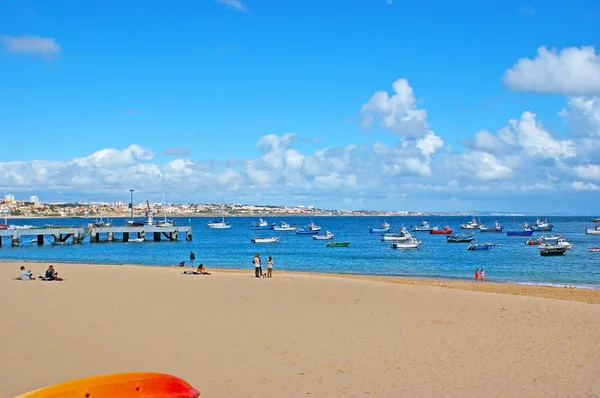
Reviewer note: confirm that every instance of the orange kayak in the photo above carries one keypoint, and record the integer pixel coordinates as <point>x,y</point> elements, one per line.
<point>119,385</point>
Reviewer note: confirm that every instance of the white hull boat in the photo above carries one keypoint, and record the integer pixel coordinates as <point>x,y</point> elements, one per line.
<point>284,227</point>
<point>272,239</point>
<point>218,225</point>
<point>412,243</point>
<point>328,235</point>
<point>593,231</point>
<point>136,240</point>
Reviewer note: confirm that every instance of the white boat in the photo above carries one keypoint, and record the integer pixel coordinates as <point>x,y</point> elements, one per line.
<point>284,227</point>
<point>328,235</point>
<point>593,231</point>
<point>556,241</point>
<point>219,225</point>
<point>473,224</point>
<point>272,239</point>
<point>136,240</point>
<point>401,236</point>
<point>411,243</point>
<point>165,222</point>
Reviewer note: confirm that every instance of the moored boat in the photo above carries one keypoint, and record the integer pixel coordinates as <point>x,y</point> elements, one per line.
<point>533,242</point>
<point>285,227</point>
<point>385,227</point>
<point>411,243</point>
<point>552,251</point>
<point>557,240</point>
<point>310,229</point>
<point>497,228</point>
<point>473,224</point>
<point>218,224</point>
<point>272,239</point>
<point>539,226</point>
<point>593,231</point>
<point>136,240</point>
<point>423,227</point>
<point>460,238</point>
<point>262,225</point>
<point>525,232</point>
<point>446,231</point>
<point>401,236</point>
<point>593,249</point>
<point>480,246</point>
<point>337,244</point>
<point>328,235</point>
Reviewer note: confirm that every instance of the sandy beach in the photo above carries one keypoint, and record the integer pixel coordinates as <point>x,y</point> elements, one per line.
<point>232,335</point>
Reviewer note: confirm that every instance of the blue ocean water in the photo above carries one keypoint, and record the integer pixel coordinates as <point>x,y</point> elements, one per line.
<point>511,261</point>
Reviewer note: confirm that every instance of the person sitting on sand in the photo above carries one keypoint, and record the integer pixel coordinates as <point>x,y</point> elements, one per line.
<point>26,275</point>
<point>51,274</point>
<point>182,264</point>
<point>201,270</point>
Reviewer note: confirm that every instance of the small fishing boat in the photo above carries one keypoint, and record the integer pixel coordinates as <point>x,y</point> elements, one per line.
<point>401,236</point>
<point>136,240</point>
<point>539,226</point>
<point>593,249</point>
<point>497,228</point>
<point>310,229</point>
<point>328,235</point>
<point>557,240</point>
<point>272,239</point>
<point>385,227</point>
<point>593,231</point>
<point>337,244</point>
<point>480,246</point>
<point>285,227</point>
<point>532,242</point>
<point>473,224</point>
<point>460,238</point>
<point>525,232</point>
<point>262,225</point>
<point>423,227</point>
<point>134,223</point>
<point>411,243</point>
<point>446,231</point>
<point>552,250</point>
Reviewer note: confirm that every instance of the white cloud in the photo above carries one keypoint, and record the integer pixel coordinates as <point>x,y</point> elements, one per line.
<point>398,112</point>
<point>572,71</point>
<point>588,172</point>
<point>583,115</point>
<point>45,46</point>
<point>235,4</point>
<point>485,166</point>
<point>581,186</point>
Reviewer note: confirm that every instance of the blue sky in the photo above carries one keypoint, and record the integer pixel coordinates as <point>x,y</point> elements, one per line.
<point>195,98</point>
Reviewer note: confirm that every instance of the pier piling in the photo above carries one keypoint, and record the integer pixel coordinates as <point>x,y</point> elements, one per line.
<point>40,240</point>
<point>157,236</point>
<point>15,241</point>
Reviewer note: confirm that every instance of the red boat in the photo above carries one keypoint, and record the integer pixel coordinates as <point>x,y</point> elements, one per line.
<point>2,226</point>
<point>534,241</point>
<point>446,231</point>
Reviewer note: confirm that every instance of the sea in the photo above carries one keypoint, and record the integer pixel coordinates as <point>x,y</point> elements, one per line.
<point>511,261</point>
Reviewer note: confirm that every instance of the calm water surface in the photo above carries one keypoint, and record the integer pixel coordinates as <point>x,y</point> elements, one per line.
<point>512,261</point>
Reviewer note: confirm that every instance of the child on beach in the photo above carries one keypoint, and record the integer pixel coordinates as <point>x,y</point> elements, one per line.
<point>26,275</point>
<point>477,275</point>
<point>270,267</point>
<point>481,275</point>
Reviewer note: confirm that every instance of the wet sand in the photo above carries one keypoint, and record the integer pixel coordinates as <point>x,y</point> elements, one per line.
<point>233,335</point>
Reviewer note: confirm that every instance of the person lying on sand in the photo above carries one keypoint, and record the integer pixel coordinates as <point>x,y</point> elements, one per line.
<point>26,275</point>
<point>200,271</point>
<point>51,275</point>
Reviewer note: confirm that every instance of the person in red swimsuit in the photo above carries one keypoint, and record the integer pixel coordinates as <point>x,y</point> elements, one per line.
<point>477,275</point>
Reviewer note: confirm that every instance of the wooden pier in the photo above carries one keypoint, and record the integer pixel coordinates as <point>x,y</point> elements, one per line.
<point>62,235</point>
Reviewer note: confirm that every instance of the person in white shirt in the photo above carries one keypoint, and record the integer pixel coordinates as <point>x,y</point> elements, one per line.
<point>26,275</point>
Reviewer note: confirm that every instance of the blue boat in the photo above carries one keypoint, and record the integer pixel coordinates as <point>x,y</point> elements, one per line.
<point>525,232</point>
<point>480,246</point>
<point>385,227</point>
<point>310,229</point>
<point>262,225</point>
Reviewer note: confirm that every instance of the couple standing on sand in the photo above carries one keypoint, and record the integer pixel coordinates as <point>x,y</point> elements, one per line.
<point>479,275</point>
<point>258,267</point>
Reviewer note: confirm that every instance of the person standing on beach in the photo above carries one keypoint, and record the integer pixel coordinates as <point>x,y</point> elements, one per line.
<point>192,258</point>
<point>270,267</point>
<point>477,275</point>
<point>257,267</point>
<point>481,275</point>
